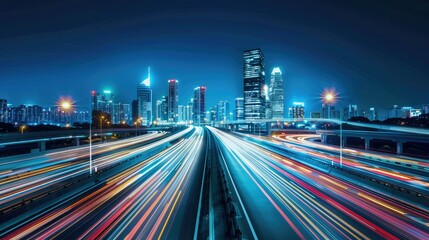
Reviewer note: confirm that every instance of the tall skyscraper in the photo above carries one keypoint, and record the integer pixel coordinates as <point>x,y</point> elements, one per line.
<point>105,102</point>
<point>199,105</point>
<point>3,110</point>
<point>173,100</point>
<point>239,109</point>
<point>222,111</point>
<point>189,111</point>
<point>254,80</point>
<point>144,98</point>
<point>121,113</point>
<point>350,111</point>
<point>277,94</point>
<point>180,113</point>
<point>297,110</point>
<point>134,110</point>
<point>163,109</point>
<point>34,115</point>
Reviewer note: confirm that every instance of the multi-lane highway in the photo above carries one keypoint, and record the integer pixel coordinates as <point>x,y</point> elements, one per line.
<point>155,198</point>
<point>160,195</point>
<point>286,199</point>
<point>23,177</point>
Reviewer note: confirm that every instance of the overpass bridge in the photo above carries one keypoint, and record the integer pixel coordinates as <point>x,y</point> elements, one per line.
<point>397,134</point>
<point>38,140</point>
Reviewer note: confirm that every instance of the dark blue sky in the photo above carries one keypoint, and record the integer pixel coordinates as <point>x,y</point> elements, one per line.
<point>374,54</point>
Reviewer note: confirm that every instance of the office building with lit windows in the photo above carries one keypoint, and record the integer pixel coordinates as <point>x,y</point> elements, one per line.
<point>199,105</point>
<point>144,99</point>
<point>173,100</point>
<point>276,94</point>
<point>254,80</point>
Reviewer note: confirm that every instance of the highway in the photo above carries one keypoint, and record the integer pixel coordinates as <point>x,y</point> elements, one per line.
<point>406,171</point>
<point>284,198</point>
<point>155,198</point>
<point>42,174</point>
<point>399,161</point>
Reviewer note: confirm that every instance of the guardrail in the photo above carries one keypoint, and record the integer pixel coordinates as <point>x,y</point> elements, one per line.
<point>354,176</point>
<point>72,187</point>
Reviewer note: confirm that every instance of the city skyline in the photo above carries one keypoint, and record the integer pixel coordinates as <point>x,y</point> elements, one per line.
<point>214,119</point>
<point>312,58</point>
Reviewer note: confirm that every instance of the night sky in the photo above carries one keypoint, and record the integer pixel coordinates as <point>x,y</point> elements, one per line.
<point>374,54</point>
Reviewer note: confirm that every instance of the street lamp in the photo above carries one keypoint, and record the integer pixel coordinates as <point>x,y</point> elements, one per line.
<point>22,129</point>
<point>101,128</point>
<point>329,97</point>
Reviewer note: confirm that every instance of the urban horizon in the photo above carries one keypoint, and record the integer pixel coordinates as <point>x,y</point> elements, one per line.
<point>214,120</point>
<point>310,107</point>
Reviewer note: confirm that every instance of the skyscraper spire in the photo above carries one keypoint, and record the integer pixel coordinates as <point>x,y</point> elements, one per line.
<point>146,82</point>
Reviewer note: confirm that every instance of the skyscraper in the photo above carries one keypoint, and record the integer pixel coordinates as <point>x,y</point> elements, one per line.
<point>134,111</point>
<point>277,94</point>
<point>3,110</point>
<point>180,113</point>
<point>254,80</point>
<point>105,102</point>
<point>144,98</point>
<point>199,105</point>
<point>239,109</point>
<point>222,111</point>
<point>121,113</point>
<point>297,110</point>
<point>173,100</point>
<point>189,111</point>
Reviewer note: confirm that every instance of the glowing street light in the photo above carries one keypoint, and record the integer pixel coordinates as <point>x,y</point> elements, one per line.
<point>101,128</point>
<point>329,97</point>
<point>22,129</point>
<point>66,105</point>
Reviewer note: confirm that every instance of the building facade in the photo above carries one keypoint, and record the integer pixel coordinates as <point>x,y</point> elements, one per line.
<point>199,105</point>
<point>277,94</point>
<point>173,100</point>
<point>254,80</point>
<point>239,109</point>
<point>297,110</point>
<point>3,111</point>
<point>144,99</point>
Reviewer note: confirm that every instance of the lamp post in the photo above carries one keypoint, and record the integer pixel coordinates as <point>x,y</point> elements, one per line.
<point>66,105</point>
<point>328,98</point>
<point>22,129</point>
<point>101,128</point>
<point>90,131</point>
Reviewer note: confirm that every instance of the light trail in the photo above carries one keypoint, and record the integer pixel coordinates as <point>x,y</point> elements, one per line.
<point>312,203</point>
<point>138,203</point>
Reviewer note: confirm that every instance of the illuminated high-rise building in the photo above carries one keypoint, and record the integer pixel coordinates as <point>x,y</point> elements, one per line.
<point>239,109</point>
<point>276,94</point>
<point>222,111</point>
<point>121,113</point>
<point>297,110</point>
<point>254,80</point>
<point>3,110</point>
<point>180,113</point>
<point>144,99</point>
<point>199,105</point>
<point>34,115</point>
<point>189,111</point>
<point>162,109</point>
<point>134,110</point>
<point>173,100</point>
